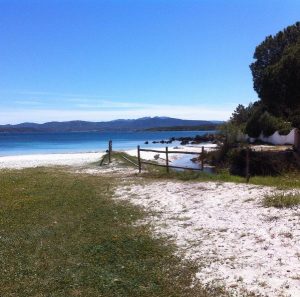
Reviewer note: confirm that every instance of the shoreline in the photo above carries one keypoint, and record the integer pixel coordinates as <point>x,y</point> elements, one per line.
<point>84,158</point>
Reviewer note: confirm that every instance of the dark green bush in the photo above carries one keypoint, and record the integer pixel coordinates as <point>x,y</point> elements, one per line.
<point>267,124</point>
<point>295,120</point>
<point>286,130</point>
<point>262,163</point>
<point>253,127</point>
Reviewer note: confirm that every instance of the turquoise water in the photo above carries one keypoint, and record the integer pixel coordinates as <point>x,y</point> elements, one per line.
<point>37,143</point>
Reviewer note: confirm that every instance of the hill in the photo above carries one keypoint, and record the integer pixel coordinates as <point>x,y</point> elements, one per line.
<point>115,125</point>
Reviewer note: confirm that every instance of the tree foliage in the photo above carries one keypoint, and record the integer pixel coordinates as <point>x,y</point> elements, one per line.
<point>256,119</point>
<point>276,71</point>
<point>240,115</point>
<point>264,122</point>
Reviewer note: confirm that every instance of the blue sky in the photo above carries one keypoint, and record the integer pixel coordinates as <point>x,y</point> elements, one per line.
<point>103,60</point>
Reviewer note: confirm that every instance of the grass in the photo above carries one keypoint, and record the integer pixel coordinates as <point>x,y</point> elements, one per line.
<point>286,181</point>
<point>118,157</point>
<point>61,234</point>
<point>282,200</point>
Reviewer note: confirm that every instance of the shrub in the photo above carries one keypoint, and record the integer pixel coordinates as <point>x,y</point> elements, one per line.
<point>229,133</point>
<point>295,119</point>
<point>267,124</point>
<point>253,127</point>
<point>286,130</point>
<point>262,163</point>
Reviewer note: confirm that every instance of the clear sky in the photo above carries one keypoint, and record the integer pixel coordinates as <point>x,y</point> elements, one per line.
<point>103,60</point>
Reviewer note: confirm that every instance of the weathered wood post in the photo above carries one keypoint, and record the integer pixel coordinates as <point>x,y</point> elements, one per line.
<point>109,151</point>
<point>202,158</point>
<point>247,164</point>
<point>139,159</point>
<point>167,159</point>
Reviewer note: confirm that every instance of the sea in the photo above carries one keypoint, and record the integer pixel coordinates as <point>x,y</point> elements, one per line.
<point>76,142</point>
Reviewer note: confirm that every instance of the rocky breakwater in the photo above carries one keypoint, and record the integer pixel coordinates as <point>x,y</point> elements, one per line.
<point>213,138</point>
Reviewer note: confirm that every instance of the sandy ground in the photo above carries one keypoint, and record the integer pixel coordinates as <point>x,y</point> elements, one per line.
<point>223,226</point>
<point>26,161</point>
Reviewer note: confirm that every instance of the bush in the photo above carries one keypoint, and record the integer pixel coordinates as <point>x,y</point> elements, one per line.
<point>229,133</point>
<point>262,163</point>
<point>295,119</point>
<point>267,124</point>
<point>253,127</point>
<point>286,130</point>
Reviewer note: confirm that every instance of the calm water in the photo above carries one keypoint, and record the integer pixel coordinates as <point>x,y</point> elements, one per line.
<point>36,143</point>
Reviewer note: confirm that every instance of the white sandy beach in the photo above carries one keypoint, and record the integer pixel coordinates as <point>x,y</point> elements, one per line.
<point>26,161</point>
<point>81,159</point>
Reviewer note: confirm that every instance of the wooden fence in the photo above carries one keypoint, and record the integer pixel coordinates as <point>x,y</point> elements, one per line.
<point>166,152</point>
<point>167,165</point>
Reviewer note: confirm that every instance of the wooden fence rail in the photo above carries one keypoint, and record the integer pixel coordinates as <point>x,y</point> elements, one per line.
<point>170,152</point>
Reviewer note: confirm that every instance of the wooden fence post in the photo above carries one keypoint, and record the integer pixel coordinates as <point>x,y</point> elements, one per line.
<point>109,151</point>
<point>139,159</point>
<point>167,159</point>
<point>247,164</point>
<point>202,158</point>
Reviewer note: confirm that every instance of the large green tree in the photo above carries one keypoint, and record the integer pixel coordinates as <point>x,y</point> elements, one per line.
<point>276,72</point>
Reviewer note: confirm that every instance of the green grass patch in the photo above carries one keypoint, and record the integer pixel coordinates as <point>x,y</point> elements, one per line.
<point>118,156</point>
<point>286,181</point>
<point>61,234</point>
<point>281,200</point>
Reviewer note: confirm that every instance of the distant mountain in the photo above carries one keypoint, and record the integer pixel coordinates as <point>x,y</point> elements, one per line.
<point>186,128</point>
<point>116,125</point>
